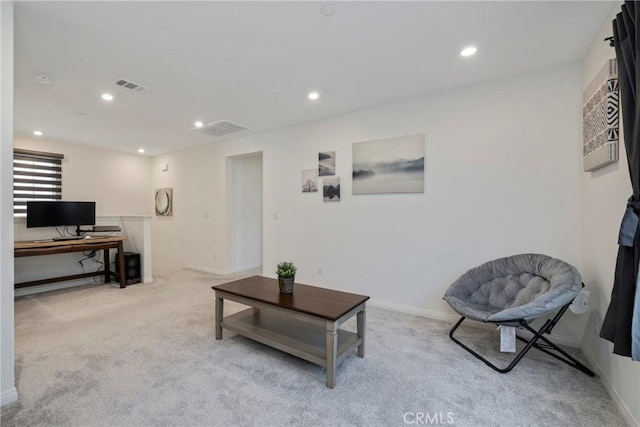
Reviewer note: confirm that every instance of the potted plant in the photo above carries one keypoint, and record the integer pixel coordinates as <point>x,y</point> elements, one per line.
<point>286,272</point>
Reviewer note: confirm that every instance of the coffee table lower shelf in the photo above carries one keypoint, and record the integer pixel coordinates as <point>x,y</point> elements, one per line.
<point>304,340</point>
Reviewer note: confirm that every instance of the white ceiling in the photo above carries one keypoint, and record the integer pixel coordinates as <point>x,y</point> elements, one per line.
<point>254,62</point>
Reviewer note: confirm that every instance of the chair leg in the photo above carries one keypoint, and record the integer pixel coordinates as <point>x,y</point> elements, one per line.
<point>529,343</point>
<point>568,359</point>
<point>513,363</point>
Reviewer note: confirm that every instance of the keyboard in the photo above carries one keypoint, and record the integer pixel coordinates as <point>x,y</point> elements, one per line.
<point>61,239</point>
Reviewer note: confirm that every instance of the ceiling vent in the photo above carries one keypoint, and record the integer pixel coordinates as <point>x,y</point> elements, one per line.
<point>128,84</point>
<point>221,128</point>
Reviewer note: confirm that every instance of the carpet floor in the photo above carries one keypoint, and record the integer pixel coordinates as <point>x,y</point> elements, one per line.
<point>147,356</point>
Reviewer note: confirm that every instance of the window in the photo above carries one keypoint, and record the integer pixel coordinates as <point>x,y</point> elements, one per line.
<point>36,176</point>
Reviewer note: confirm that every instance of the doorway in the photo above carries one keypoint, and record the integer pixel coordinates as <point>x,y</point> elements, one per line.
<point>244,185</point>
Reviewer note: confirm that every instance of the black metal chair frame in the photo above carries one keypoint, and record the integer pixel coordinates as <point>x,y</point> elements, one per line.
<point>546,347</point>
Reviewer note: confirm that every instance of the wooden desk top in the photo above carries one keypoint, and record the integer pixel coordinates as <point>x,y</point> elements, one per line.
<point>44,243</point>
<point>320,302</point>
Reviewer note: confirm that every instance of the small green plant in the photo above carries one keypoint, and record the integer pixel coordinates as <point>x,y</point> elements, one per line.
<point>286,270</point>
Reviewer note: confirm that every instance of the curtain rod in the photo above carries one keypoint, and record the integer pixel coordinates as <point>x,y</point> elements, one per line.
<point>611,41</point>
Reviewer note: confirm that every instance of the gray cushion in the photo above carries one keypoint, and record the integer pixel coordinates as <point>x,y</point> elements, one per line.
<point>524,286</point>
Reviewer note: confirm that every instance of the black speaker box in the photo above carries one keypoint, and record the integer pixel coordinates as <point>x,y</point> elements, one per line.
<point>132,269</point>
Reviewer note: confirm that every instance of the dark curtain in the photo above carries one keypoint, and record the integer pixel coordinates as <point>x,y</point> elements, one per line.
<point>617,326</point>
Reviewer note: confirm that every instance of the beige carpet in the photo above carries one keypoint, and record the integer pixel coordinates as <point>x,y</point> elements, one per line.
<point>146,355</point>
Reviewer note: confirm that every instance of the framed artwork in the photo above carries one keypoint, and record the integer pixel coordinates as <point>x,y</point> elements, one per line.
<point>393,165</point>
<point>331,189</point>
<point>327,163</point>
<point>310,180</point>
<point>600,127</point>
<point>164,201</point>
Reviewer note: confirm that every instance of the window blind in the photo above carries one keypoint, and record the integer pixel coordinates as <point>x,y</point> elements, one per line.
<point>36,176</point>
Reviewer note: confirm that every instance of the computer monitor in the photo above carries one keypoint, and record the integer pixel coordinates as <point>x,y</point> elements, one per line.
<point>58,213</point>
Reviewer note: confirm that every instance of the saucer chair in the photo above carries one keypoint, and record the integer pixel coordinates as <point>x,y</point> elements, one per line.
<point>514,291</point>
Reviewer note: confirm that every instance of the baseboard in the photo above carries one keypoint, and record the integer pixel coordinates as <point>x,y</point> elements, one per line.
<point>452,318</point>
<point>248,267</point>
<point>8,396</point>
<point>613,394</point>
<point>436,315</point>
<point>21,292</point>
<point>221,272</point>
<point>557,339</point>
<point>208,270</point>
<point>148,280</point>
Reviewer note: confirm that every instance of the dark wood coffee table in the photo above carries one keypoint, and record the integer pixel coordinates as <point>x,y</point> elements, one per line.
<point>305,323</point>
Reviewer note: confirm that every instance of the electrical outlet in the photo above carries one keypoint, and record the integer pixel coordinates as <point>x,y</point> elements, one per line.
<point>320,270</point>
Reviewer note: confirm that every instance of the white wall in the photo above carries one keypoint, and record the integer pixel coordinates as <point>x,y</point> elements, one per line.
<point>7,389</point>
<point>246,211</point>
<point>119,183</point>
<point>169,251</point>
<point>605,193</point>
<point>503,176</point>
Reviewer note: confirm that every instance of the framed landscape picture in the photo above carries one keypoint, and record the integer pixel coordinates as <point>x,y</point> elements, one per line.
<point>331,189</point>
<point>327,163</point>
<point>393,165</point>
<point>310,180</point>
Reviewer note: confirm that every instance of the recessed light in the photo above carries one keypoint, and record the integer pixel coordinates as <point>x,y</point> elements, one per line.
<point>313,95</point>
<point>37,132</point>
<point>468,51</point>
<point>107,97</point>
<point>140,150</point>
<point>198,124</point>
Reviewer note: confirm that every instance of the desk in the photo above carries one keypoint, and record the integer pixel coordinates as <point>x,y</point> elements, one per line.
<point>50,247</point>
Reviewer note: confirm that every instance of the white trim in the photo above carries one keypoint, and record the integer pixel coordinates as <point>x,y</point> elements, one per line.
<point>447,317</point>
<point>557,339</point>
<point>414,310</point>
<point>208,270</point>
<point>8,396</point>
<point>30,290</point>
<point>23,219</point>
<point>613,394</point>
<point>148,280</point>
<point>133,217</point>
<point>248,267</point>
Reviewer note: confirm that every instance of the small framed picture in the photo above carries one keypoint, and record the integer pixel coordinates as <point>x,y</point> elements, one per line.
<point>310,180</point>
<point>327,163</point>
<point>331,189</point>
<point>164,201</point>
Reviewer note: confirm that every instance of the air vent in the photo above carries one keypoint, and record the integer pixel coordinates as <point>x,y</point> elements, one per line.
<point>221,128</point>
<point>128,84</point>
